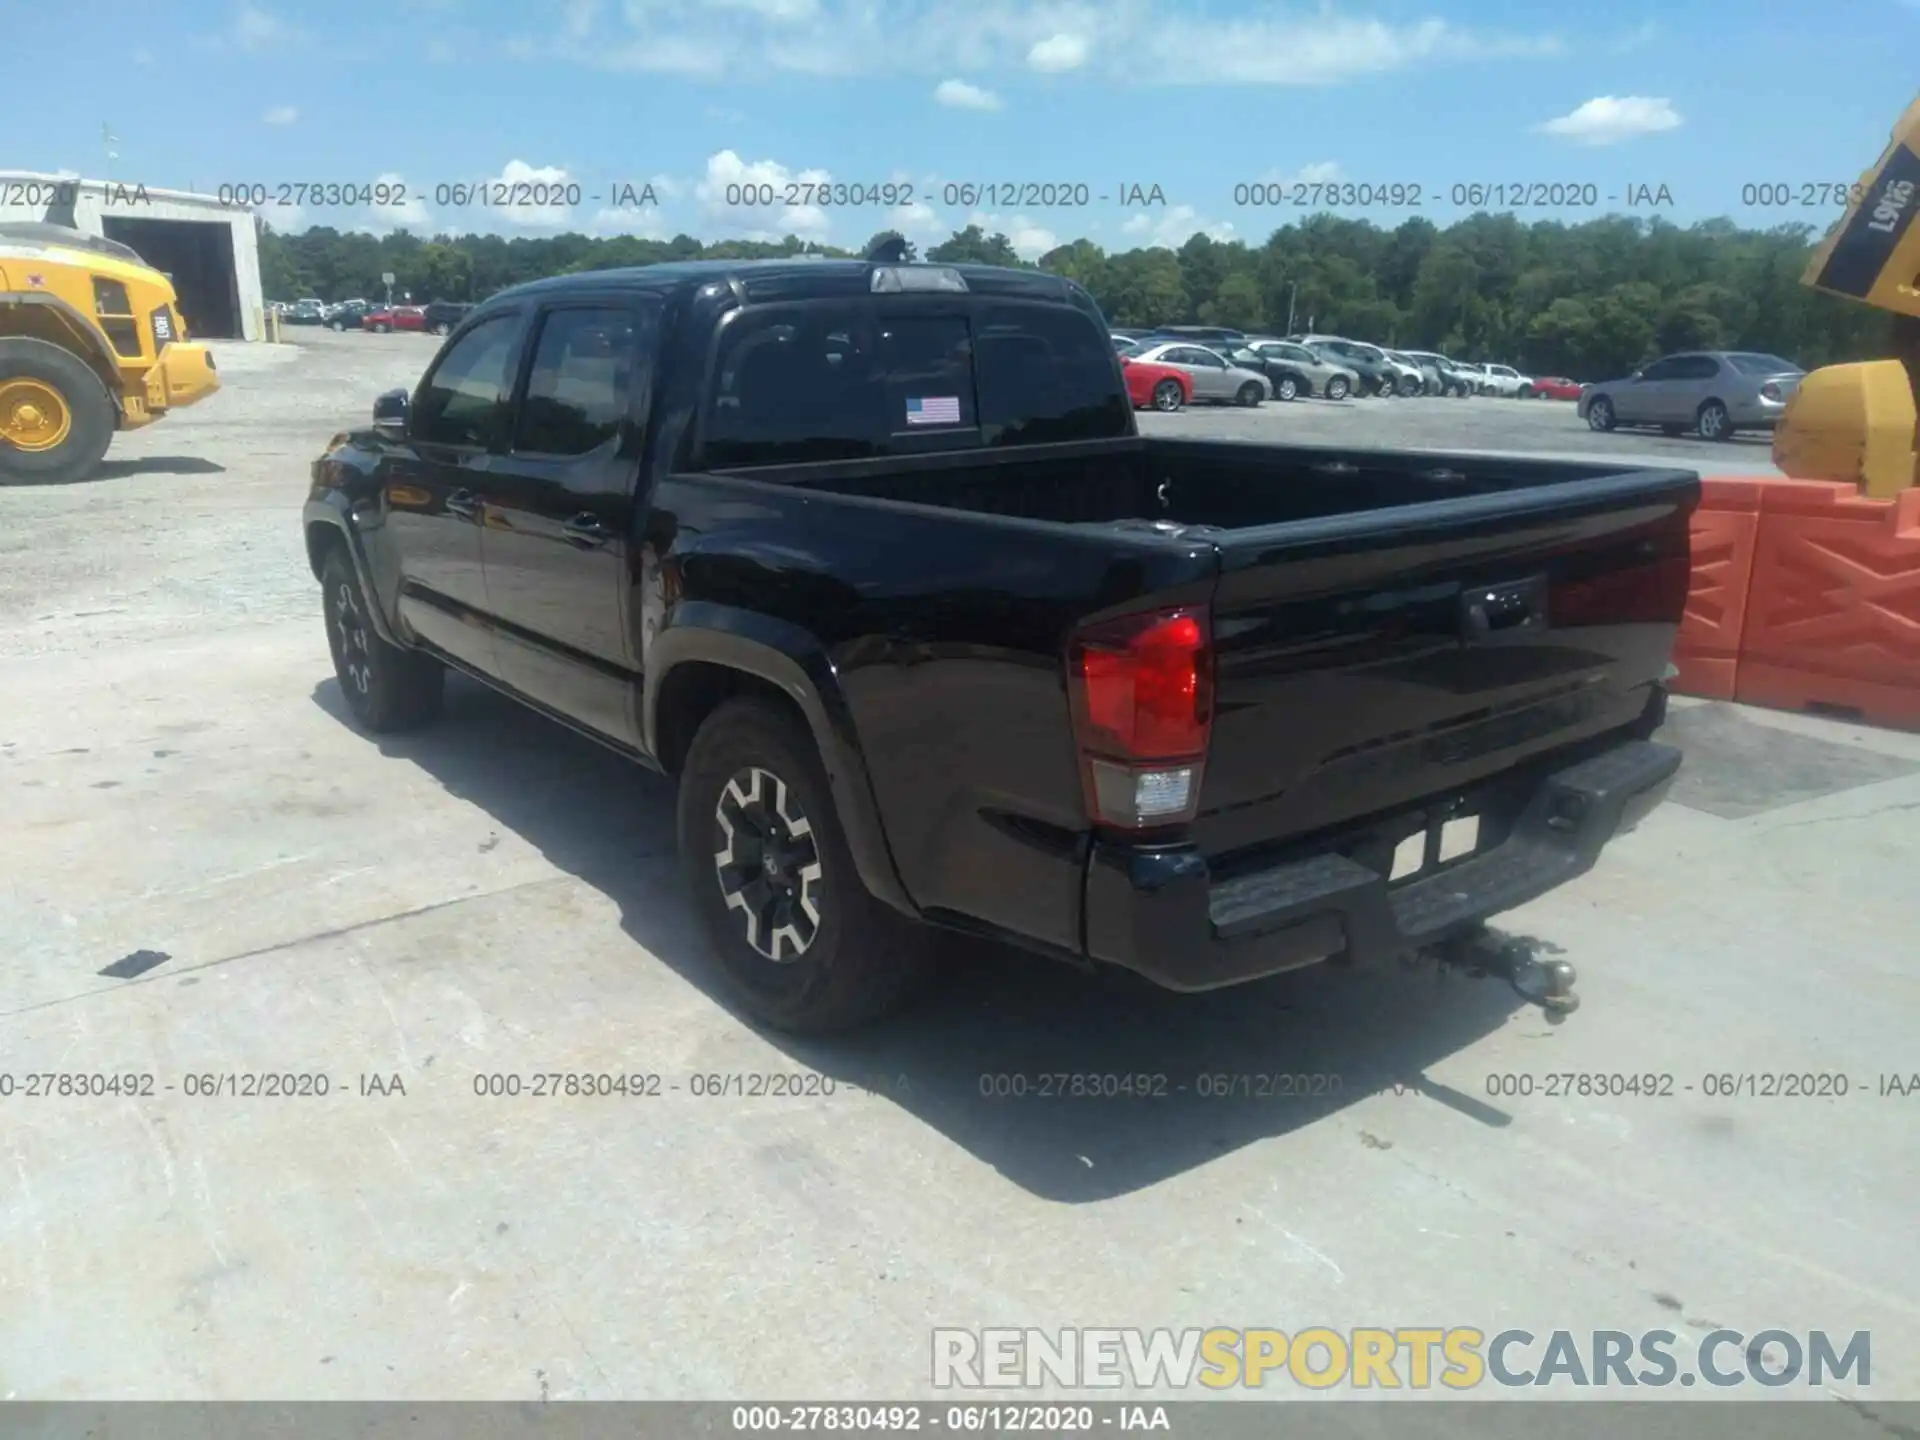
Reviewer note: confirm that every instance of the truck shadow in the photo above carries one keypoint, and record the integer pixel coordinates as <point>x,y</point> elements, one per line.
<point>1209,1074</point>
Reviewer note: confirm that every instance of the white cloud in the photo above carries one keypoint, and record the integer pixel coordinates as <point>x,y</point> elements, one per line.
<point>281,115</point>
<point>1173,227</point>
<point>577,17</point>
<point>532,196</point>
<point>285,219</point>
<point>1320,172</point>
<point>255,28</point>
<point>409,214</point>
<point>644,221</point>
<point>1029,241</point>
<point>1058,52</point>
<point>745,200</point>
<point>1609,119</point>
<point>667,188</point>
<point>919,222</point>
<point>962,96</point>
<point>1146,42</point>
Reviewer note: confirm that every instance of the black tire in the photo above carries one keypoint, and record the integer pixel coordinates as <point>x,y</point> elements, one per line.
<point>1674,430</point>
<point>1712,422</point>
<point>1286,388</point>
<point>1600,414</point>
<point>844,958</point>
<point>1526,392</point>
<point>1168,396</point>
<point>35,367</point>
<point>1338,388</point>
<point>439,329</point>
<point>1409,387</point>
<point>1249,394</point>
<point>387,689</point>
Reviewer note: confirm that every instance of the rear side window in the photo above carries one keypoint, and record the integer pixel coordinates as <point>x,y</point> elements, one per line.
<point>582,377</point>
<point>797,384</point>
<point>1045,373</point>
<point>464,402</point>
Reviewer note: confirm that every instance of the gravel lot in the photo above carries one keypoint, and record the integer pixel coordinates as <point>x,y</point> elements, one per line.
<point>497,896</point>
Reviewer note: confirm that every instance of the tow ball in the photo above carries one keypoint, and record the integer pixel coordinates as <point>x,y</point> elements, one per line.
<point>1547,983</point>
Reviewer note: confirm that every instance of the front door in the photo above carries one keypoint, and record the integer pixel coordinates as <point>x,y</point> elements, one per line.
<point>560,513</point>
<point>434,485</point>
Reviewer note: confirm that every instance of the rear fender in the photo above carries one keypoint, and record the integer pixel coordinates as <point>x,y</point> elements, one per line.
<point>794,662</point>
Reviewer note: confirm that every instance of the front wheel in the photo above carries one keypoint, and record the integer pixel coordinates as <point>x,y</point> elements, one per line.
<point>336,325</point>
<point>1713,422</point>
<point>439,329</point>
<point>1250,394</point>
<point>1526,392</point>
<point>1600,414</point>
<point>387,688</point>
<point>1168,396</point>
<point>1337,388</point>
<point>1409,387</point>
<point>56,420</point>
<point>800,943</point>
<point>1287,388</point>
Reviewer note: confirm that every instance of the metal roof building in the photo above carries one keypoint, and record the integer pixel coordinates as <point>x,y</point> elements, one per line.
<point>210,250</point>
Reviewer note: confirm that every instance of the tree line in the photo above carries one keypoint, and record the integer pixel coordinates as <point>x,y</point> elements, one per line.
<point>1589,300</point>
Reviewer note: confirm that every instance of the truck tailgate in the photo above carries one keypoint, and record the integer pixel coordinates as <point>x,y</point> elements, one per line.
<point>1370,663</point>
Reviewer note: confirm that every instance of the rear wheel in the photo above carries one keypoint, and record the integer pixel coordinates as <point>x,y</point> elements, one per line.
<point>1409,386</point>
<point>1250,394</point>
<point>1337,388</point>
<point>56,419</point>
<point>1526,392</point>
<point>800,943</point>
<point>1713,423</point>
<point>387,688</point>
<point>1167,395</point>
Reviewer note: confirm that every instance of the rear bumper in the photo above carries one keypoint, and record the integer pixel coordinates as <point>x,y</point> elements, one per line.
<point>1160,913</point>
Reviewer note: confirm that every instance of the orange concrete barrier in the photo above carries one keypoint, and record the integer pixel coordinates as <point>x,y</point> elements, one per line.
<point>1707,651</point>
<point>1833,607</point>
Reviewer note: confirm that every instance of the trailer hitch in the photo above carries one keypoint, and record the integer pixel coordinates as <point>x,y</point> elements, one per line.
<point>1483,951</point>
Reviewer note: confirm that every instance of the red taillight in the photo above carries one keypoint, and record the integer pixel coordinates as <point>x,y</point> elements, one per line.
<point>1142,695</point>
<point>1651,593</point>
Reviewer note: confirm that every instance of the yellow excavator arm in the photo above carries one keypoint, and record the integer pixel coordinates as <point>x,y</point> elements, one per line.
<point>1861,423</point>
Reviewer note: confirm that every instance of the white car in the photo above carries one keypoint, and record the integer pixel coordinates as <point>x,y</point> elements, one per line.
<point>1506,381</point>
<point>1214,377</point>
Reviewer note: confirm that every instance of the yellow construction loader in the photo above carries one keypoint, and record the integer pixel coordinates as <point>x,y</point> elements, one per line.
<point>91,342</point>
<point>1857,423</point>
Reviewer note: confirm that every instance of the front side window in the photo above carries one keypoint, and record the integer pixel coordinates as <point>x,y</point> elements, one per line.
<point>464,401</point>
<point>578,391</point>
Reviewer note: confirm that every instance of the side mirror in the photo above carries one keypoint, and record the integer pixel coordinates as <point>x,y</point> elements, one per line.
<point>1636,375</point>
<point>390,414</point>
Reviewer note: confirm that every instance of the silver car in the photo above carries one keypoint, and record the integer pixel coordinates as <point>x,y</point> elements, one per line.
<point>1713,393</point>
<point>1283,362</point>
<point>1214,379</point>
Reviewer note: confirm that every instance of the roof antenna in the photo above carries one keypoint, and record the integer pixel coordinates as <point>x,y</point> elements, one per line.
<point>888,250</point>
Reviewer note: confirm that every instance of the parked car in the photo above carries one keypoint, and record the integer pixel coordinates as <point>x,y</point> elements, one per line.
<point>1508,382</point>
<point>1146,723</point>
<point>1417,377</point>
<point>1714,393</point>
<point>399,317</point>
<point>1378,375</point>
<point>1443,376</point>
<point>443,316</point>
<point>1556,387</point>
<point>1286,364</point>
<point>347,315</point>
<point>306,312</point>
<point>1214,378</point>
<point>1214,337</point>
<point>1164,387</point>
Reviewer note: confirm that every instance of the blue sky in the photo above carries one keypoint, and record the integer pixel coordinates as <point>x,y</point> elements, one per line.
<point>1194,96</point>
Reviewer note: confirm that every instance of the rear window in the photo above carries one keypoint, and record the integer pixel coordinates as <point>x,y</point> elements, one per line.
<point>1762,365</point>
<point>838,381</point>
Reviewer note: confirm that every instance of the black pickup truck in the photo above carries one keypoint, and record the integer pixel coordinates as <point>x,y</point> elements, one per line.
<point>872,559</point>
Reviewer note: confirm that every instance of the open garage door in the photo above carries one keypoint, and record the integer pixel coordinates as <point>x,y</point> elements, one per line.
<point>198,255</point>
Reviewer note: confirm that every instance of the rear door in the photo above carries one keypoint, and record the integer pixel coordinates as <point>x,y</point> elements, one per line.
<point>559,515</point>
<point>1371,661</point>
<point>436,481</point>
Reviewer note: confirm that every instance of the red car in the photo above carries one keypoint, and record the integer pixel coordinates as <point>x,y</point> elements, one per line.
<point>400,317</point>
<point>1556,387</point>
<point>1164,387</point>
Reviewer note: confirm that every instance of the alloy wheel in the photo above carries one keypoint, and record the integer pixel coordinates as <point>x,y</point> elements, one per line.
<point>768,864</point>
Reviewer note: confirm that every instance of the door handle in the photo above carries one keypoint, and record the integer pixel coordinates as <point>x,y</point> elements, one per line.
<point>587,532</point>
<point>463,503</point>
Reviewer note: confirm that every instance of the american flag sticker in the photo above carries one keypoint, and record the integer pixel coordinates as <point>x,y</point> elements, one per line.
<point>934,410</point>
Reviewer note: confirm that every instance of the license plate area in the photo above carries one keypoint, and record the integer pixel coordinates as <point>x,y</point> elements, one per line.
<point>1446,837</point>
